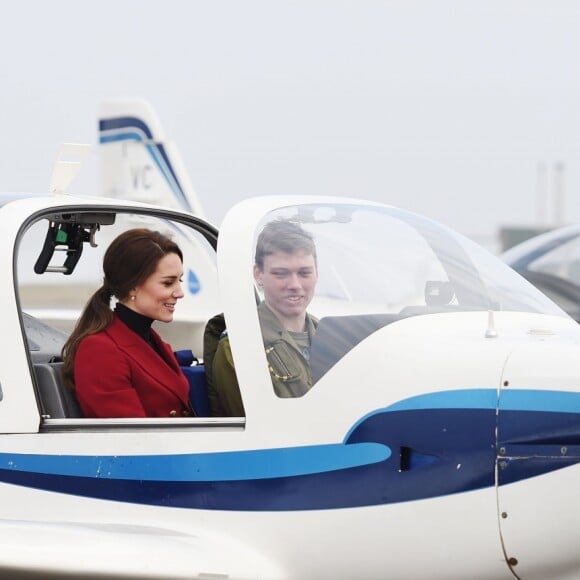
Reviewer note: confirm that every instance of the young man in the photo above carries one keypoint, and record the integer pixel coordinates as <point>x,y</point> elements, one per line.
<point>285,269</point>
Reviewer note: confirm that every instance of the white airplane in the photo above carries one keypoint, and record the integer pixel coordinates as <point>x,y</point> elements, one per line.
<point>440,438</point>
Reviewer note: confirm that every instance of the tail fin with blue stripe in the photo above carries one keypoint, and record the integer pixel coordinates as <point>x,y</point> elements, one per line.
<point>137,162</point>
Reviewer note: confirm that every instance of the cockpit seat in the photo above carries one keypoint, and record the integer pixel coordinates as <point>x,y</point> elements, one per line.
<point>57,401</point>
<point>195,374</point>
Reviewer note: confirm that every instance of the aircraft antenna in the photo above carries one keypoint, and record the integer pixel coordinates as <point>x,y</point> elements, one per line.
<point>68,162</point>
<point>491,331</point>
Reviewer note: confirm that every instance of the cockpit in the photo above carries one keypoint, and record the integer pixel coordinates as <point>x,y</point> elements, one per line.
<point>377,266</point>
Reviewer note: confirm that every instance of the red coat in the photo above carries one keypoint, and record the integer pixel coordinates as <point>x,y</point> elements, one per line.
<point>117,374</point>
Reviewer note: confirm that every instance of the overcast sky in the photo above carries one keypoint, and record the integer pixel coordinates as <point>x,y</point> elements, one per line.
<point>447,108</point>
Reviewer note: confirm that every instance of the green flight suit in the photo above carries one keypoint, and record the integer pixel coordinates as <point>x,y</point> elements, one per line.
<point>289,370</point>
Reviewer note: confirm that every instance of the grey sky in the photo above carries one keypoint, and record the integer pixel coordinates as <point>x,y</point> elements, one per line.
<point>442,107</point>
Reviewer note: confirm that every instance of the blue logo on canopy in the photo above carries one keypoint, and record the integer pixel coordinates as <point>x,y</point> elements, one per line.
<point>193,284</point>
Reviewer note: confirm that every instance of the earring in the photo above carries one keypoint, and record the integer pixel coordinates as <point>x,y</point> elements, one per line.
<point>132,296</point>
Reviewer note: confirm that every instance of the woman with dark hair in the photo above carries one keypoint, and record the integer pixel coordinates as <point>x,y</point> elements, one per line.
<point>117,364</point>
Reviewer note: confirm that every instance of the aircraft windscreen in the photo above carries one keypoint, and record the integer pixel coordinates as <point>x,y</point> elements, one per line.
<point>374,265</point>
<point>385,260</point>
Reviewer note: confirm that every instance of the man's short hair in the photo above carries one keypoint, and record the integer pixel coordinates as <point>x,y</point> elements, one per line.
<point>283,236</point>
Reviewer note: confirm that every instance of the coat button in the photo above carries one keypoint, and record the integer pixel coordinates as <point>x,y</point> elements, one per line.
<point>172,413</point>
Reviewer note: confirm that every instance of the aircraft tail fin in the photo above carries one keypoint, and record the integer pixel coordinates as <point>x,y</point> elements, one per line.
<point>136,160</point>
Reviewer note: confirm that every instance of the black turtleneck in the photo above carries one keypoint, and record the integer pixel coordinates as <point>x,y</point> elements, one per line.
<point>136,322</point>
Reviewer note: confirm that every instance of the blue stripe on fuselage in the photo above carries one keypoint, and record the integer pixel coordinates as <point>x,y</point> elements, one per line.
<point>426,446</point>
<point>512,400</point>
<point>223,466</point>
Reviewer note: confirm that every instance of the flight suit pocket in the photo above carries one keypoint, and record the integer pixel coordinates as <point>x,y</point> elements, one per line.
<point>282,363</point>
<point>288,374</point>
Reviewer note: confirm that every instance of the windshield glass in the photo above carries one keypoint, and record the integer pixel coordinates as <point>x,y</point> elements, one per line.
<point>361,268</point>
<point>385,260</point>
